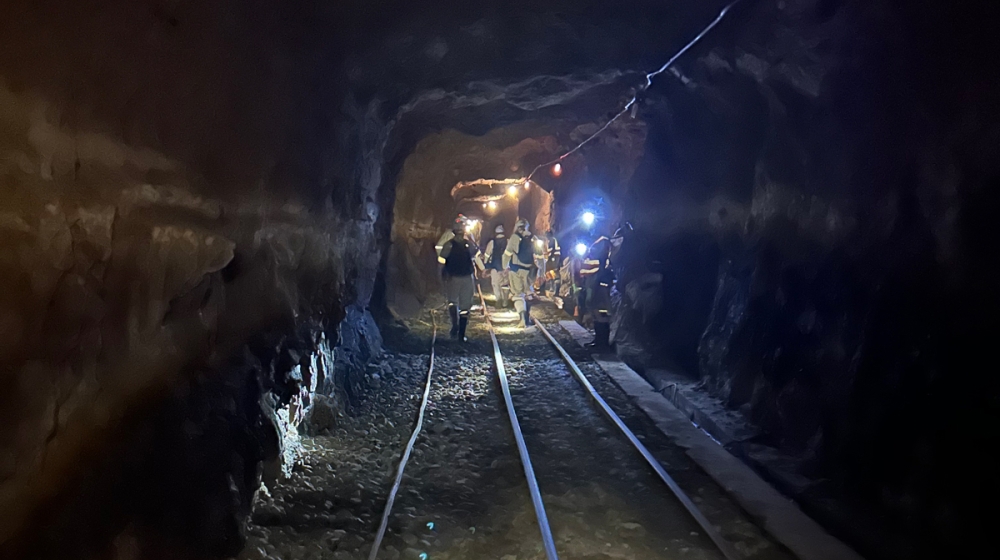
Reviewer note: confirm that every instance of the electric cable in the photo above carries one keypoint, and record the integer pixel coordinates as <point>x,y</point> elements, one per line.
<point>644,87</point>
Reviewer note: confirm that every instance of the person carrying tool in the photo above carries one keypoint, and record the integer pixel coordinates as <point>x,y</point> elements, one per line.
<point>494,264</point>
<point>519,258</point>
<point>460,260</point>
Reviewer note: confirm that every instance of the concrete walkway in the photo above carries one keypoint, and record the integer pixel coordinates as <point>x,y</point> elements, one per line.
<point>778,515</point>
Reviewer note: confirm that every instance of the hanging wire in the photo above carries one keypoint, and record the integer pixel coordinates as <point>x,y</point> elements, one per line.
<point>649,82</point>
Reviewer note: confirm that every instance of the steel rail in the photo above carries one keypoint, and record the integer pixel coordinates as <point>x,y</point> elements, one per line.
<point>409,449</point>
<point>724,546</point>
<point>522,448</point>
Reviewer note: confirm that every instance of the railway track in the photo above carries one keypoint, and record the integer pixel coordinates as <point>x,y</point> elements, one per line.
<point>595,490</point>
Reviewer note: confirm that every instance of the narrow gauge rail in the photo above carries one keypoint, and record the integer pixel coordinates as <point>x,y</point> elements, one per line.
<point>723,546</point>
<point>727,550</point>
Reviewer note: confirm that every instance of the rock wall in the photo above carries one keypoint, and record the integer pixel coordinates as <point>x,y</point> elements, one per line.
<point>140,316</point>
<point>196,199</point>
<point>179,256</point>
<point>815,205</point>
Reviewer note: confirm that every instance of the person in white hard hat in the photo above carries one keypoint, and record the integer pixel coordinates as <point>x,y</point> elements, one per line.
<point>519,258</point>
<point>494,264</point>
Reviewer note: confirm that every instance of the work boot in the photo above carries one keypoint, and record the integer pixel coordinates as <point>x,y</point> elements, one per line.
<point>453,313</point>
<point>602,336</point>
<point>463,322</point>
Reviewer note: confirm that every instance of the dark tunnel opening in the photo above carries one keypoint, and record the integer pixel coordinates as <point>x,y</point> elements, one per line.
<point>218,262</point>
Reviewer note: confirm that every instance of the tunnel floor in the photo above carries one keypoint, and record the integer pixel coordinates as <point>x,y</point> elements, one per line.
<point>464,494</point>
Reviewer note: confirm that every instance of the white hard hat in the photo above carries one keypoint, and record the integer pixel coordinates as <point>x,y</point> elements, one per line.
<point>521,222</point>
<point>499,229</point>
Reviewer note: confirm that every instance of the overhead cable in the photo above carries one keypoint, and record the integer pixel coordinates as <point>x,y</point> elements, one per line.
<point>635,98</point>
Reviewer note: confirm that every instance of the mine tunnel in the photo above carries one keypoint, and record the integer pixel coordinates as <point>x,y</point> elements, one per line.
<point>225,330</point>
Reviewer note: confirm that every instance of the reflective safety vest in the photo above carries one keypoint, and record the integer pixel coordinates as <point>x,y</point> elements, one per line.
<point>525,251</point>
<point>496,255</point>
<point>459,259</point>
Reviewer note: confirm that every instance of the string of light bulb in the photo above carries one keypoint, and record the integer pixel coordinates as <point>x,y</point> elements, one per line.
<point>632,103</point>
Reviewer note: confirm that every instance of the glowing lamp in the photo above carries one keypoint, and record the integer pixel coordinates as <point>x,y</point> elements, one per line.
<point>581,249</point>
<point>527,185</point>
<point>588,218</point>
<point>492,205</point>
<point>557,170</point>
<point>512,190</point>
<point>539,243</point>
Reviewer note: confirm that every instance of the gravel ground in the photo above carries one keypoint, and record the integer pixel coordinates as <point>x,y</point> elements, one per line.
<point>463,495</point>
<point>331,504</point>
<point>725,514</point>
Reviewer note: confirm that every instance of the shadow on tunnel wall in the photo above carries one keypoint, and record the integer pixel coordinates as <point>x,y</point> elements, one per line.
<point>813,246</point>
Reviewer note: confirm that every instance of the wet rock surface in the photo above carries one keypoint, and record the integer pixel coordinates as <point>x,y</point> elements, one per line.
<point>463,494</point>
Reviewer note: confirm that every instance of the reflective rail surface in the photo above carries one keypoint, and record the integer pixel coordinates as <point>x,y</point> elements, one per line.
<point>522,448</point>
<point>409,449</point>
<point>724,546</point>
<point>548,541</point>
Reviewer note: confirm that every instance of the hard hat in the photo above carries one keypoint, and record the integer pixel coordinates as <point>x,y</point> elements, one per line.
<point>521,222</point>
<point>499,229</point>
<point>459,224</point>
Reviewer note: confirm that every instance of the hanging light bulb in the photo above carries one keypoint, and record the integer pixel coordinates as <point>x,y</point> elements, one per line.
<point>491,205</point>
<point>527,185</point>
<point>557,170</point>
<point>581,249</point>
<point>588,218</point>
<point>512,190</point>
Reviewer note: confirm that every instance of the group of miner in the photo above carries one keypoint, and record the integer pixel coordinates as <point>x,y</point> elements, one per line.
<point>526,264</point>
